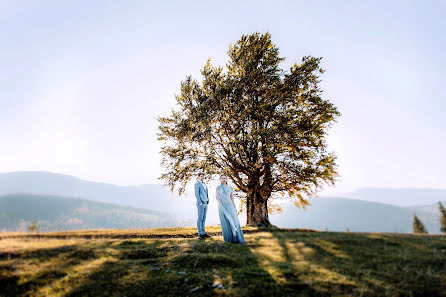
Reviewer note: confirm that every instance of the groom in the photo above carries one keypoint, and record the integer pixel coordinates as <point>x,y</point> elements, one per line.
<point>201,193</point>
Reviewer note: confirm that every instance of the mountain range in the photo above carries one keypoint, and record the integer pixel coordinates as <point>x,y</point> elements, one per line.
<point>399,196</point>
<point>63,202</point>
<point>149,196</point>
<point>341,214</point>
<point>52,213</point>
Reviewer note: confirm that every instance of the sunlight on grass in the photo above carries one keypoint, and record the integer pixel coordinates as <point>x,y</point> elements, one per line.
<point>18,245</point>
<point>269,252</point>
<point>330,247</point>
<point>75,276</point>
<point>273,263</point>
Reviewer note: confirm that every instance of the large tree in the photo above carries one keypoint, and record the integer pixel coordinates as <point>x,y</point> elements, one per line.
<point>262,126</point>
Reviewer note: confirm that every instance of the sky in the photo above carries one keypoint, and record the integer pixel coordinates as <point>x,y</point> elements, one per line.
<point>82,82</point>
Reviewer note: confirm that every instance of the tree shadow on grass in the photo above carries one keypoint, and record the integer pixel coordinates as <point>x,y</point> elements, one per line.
<point>11,285</point>
<point>184,268</point>
<point>304,259</point>
<point>159,268</point>
<point>214,268</point>
<point>72,266</point>
<point>58,260</point>
<point>187,267</point>
<point>373,266</point>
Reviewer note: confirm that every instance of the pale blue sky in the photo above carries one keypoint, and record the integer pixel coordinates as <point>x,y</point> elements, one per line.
<point>82,81</point>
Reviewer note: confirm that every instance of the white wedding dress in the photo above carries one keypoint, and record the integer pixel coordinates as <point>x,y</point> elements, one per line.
<point>230,225</point>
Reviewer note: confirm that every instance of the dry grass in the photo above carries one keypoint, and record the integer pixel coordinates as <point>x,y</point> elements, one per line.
<point>179,232</point>
<point>172,262</point>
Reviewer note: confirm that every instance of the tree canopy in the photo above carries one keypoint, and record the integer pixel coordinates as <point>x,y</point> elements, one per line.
<point>264,127</point>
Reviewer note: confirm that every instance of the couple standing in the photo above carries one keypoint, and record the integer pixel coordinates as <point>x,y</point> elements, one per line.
<point>230,225</point>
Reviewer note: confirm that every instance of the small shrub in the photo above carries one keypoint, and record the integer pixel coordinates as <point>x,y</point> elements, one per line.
<point>33,226</point>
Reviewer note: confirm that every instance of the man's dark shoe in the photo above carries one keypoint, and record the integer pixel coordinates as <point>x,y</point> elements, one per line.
<point>206,235</point>
<point>201,236</point>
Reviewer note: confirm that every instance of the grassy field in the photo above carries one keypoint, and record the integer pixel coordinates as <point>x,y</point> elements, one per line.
<point>173,262</point>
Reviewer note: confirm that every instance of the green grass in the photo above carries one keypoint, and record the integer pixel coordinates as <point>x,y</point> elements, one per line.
<point>172,262</point>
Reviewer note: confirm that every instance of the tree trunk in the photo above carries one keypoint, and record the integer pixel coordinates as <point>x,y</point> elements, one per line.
<point>257,210</point>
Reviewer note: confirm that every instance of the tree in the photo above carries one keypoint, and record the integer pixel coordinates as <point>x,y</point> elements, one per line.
<point>442,217</point>
<point>418,226</point>
<point>263,127</point>
<point>33,226</point>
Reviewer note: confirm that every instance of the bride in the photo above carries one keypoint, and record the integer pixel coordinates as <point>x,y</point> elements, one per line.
<point>230,225</point>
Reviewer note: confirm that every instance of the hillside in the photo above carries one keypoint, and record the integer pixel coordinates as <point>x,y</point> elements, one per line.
<point>64,213</point>
<point>428,208</point>
<point>340,214</point>
<point>171,262</point>
<point>399,196</point>
<point>154,197</point>
<point>333,213</point>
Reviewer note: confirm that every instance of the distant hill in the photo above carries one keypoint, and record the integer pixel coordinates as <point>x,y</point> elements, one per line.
<point>399,196</point>
<point>338,214</point>
<point>334,213</point>
<point>430,208</point>
<point>154,197</point>
<point>63,213</point>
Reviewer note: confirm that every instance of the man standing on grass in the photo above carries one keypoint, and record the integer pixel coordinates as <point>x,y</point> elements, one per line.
<point>201,193</point>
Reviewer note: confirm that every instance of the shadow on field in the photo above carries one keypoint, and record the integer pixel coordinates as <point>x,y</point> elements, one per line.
<point>274,263</point>
<point>57,261</point>
<point>367,265</point>
<point>178,268</point>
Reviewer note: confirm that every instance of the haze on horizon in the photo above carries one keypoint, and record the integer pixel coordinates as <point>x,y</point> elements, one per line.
<point>81,83</point>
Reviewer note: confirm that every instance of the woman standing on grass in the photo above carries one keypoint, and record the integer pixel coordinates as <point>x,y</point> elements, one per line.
<point>230,225</point>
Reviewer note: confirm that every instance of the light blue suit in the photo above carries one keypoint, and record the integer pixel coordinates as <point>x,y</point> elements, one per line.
<point>201,193</point>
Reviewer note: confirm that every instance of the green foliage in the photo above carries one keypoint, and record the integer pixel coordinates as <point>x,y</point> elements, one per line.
<point>442,217</point>
<point>33,226</point>
<point>262,126</point>
<point>418,226</point>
